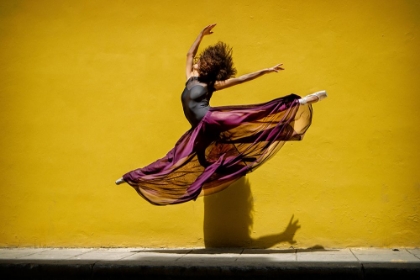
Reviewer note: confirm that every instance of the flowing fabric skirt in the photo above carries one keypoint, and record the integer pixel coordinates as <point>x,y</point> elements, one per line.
<point>228,143</point>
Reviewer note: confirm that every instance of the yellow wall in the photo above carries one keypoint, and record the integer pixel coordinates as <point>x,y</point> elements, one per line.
<point>91,89</point>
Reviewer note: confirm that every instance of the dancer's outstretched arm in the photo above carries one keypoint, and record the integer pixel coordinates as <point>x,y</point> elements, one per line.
<point>247,77</point>
<point>194,47</point>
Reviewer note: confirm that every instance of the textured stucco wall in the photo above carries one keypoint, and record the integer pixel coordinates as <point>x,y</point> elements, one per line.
<point>91,89</point>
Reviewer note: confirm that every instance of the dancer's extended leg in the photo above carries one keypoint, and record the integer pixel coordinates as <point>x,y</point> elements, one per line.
<point>313,98</point>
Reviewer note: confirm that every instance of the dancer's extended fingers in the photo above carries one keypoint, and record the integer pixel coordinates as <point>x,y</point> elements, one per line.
<point>278,67</point>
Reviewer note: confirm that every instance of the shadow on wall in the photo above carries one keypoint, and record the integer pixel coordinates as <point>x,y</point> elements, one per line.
<point>228,220</point>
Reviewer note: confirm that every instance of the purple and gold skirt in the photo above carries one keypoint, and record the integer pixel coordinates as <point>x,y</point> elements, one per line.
<point>229,142</point>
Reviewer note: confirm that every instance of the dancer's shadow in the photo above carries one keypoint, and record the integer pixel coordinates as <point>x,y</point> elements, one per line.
<point>228,220</point>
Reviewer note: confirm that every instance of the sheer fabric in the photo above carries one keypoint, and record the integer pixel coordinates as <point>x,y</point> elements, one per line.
<point>221,147</point>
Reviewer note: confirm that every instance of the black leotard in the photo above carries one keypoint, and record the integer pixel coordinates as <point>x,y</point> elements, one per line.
<point>195,100</point>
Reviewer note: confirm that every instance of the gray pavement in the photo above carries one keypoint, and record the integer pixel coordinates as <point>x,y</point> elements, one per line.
<point>142,263</point>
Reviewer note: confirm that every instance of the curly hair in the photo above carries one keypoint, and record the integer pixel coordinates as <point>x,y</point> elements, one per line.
<point>216,63</point>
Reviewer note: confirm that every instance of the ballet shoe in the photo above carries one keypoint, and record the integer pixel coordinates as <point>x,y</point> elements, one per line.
<point>119,181</point>
<point>319,95</point>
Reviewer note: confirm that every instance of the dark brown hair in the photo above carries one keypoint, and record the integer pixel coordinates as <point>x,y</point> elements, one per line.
<point>216,63</point>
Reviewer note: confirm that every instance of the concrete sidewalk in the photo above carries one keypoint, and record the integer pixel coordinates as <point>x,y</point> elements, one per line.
<point>140,263</point>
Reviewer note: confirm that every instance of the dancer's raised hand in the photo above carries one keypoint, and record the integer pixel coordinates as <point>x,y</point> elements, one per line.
<point>207,29</point>
<point>276,68</point>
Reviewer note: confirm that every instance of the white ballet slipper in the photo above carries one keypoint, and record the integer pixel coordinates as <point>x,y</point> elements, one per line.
<point>308,99</point>
<point>120,181</point>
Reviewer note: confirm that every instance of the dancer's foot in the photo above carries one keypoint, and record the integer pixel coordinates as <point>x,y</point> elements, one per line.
<point>119,181</point>
<point>314,97</point>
